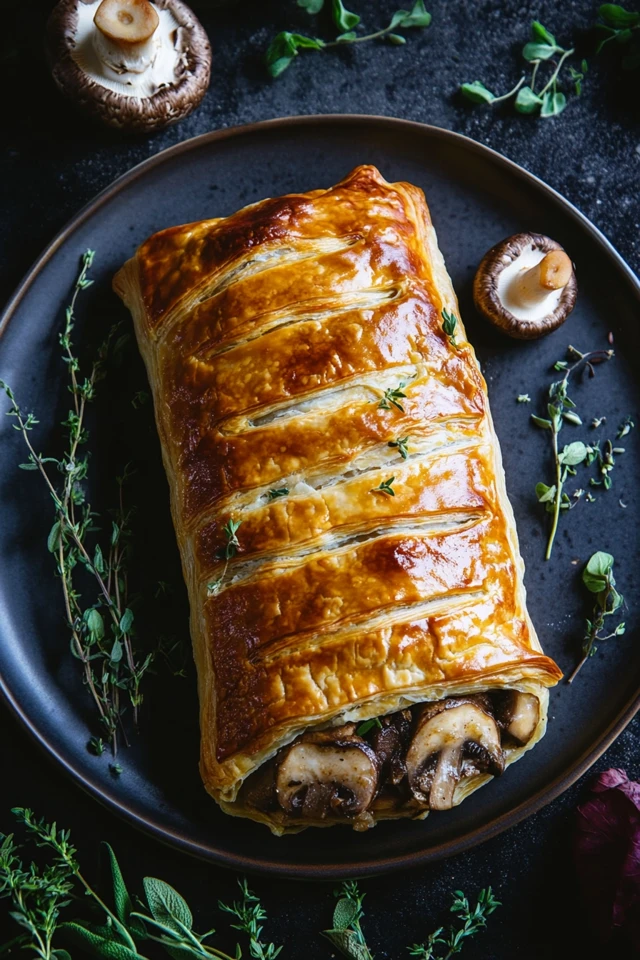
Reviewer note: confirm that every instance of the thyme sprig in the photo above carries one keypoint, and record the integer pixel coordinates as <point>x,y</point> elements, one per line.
<point>548,101</point>
<point>163,916</point>
<point>385,487</point>
<point>348,937</point>
<point>598,578</point>
<point>392,397</point>
<point>401,445</point>
<point>112,668</point>
<point>473,919</point>
<point>561,409</point>
<point>449,324</point>
<point>226,553</point>
<point>286,45</point>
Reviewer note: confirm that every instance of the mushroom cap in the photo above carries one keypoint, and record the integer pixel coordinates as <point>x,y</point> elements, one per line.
<point>455,738</point>
<point>486,294</point>
<point>168,105</point>
<point>330,773</point>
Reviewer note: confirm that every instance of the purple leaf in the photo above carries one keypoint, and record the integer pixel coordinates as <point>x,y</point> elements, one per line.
<point>607,854</point>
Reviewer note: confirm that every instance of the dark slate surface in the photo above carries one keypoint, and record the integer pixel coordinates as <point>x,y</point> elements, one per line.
<point>53,162</point>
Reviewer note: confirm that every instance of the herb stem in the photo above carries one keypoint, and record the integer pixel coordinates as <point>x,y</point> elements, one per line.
<point>506,96</point>
<point>558,497</point>
<point>554,76</point>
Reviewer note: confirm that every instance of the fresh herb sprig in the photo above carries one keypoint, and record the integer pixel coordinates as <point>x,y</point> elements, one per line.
<point>598,578</point>
<point>163,916</point>
<point>392,397</point>
<point>102,633</point>
<point>346,933</point>
<point>473,919</point>
<point>401,445</point>
<point>449,324</point>
<point>622,26</point>
<point>286,45</point>
<point>561,409</point>
<point>385,487</point>
<point>548,101</point>
<point>226,553</point>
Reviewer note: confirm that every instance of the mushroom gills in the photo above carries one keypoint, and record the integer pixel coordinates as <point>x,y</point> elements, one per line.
<point>455,739</point>
<point>333,773</point>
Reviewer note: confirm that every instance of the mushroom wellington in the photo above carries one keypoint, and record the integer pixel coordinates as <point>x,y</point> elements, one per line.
<point>358,613</point>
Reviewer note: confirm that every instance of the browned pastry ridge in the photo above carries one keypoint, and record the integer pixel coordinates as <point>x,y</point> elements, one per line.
<point>289,348</point>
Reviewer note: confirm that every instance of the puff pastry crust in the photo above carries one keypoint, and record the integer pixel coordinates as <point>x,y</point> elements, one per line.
<point>289,347</point>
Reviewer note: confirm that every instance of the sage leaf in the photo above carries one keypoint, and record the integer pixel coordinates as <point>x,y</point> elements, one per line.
<point>166,904</point>
<point>121,898</point>
<point>97,945</point>
<point>344,914</point>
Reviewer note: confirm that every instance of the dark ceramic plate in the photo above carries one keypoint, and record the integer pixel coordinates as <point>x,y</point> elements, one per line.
<point>476,198</point>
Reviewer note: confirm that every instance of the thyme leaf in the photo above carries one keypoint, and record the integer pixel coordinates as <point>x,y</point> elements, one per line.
<point>368,725</point>
<point>401,445</point>
<point>449,324</point>
<point>385,487</point>
<point>280,492</point>
<point>392,397</point>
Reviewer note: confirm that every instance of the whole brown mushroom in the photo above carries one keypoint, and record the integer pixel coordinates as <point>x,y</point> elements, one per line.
<point>526,286</point>
<point>132,63</point>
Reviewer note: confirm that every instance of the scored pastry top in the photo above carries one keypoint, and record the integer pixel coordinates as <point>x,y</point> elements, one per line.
<point>336,480</point>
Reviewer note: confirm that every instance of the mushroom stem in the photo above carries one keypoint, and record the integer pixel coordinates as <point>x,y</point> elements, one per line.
<point>445,778</point>
<point>533,286</point>
<point>124,38</point>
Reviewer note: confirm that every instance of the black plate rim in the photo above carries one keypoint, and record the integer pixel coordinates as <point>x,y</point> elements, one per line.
<point>378,865</point>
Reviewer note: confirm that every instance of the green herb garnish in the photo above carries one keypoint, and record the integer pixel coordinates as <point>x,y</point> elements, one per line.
<point>561,409</point>
<point>100,622</point>
<point>623,26</point>
<point>548,101</point>
<point>392,397</point>
<point>368,725</point>
<point>226,553</point>
<point>281,492</point>
<point>385,487</point>
<point>449,942</point>
<point>162,915</point>
<point>401,445</point>
<point>523,398</point>
<point>286,46</point>
<point>449,324</point>
<point>598,578</point>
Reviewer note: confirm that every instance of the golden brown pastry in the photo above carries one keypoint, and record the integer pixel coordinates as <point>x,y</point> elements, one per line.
<point>339,503</point>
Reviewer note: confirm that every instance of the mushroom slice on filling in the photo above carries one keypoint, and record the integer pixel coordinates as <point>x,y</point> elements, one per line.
<point>518,714</point>
<point>333,773</point>
<point>526,286</point>
<point>454,739</point>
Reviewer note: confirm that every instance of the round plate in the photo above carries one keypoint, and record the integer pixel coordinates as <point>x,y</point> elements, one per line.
<point>476,198</point>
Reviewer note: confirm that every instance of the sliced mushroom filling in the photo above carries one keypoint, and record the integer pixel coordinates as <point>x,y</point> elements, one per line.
<point>412,760</point>
<point>334,773</point>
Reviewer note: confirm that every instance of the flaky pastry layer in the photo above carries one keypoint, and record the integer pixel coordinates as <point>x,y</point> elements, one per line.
<point>336,481</point>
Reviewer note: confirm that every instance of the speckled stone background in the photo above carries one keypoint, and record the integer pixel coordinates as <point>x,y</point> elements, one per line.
<point>52,162</point>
